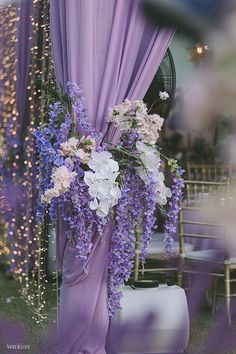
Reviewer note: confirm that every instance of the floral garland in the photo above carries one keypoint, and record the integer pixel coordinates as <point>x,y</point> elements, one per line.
<point>91,181</point>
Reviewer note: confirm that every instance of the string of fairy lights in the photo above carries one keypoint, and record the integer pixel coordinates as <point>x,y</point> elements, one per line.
<point>8,20</point>
<point>28,240</point>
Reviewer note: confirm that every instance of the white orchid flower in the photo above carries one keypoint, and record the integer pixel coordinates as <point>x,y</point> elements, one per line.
<point>141,147</point>
<point>106,174</point>
<point>161,199</point>
<point>93,204</point>
<point>163,193</point>
<point>100,156</point>
<point>102,160</point>
<point>102,208</point>
<point>115,194</point>
<point>100,190</point>
<point>160,177</point>
<point>102,182</point>
<point>89,178</point>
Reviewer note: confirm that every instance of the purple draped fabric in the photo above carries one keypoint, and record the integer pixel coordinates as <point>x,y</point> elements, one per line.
<point>18,197</point>
<point>24,60</point>
<point>108,48</point>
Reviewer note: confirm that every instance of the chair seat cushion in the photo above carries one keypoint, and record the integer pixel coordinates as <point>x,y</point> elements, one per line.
<point>208,255</point>
<point>230,261</point>
<point>157,249</point>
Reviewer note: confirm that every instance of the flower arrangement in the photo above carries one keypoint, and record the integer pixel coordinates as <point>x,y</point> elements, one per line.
<point>92,180</point>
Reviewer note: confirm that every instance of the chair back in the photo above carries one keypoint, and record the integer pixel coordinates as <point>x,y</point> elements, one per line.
<point>211,173</point>
<point>196,224</point>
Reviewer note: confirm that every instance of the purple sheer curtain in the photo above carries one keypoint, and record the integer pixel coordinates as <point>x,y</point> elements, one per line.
<point>108,48</point>
<point>24,59</point>
<point>18,196</point>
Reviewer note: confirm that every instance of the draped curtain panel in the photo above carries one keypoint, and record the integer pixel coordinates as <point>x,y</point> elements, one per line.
<point>111,50</point>
<point>24,60</point>
<point>18,196</point>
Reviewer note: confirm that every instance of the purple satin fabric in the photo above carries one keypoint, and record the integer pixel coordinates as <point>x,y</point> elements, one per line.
<point>84,321</point>
<point>110,49</point>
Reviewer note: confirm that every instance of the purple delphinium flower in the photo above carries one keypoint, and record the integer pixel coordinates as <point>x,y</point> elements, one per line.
<point>79,219</point>
<point>65,128</point>
<point>48,140</point>
<point>172,215</point>
<point>82,121</point>
<point>46,162</point>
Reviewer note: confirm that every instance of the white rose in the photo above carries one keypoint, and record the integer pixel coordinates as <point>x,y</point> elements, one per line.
<point>163,95</point>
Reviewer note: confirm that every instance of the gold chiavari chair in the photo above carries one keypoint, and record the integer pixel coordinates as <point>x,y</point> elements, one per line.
<point>213,173</point>
<point>197,223</point>
<point>157,268</point>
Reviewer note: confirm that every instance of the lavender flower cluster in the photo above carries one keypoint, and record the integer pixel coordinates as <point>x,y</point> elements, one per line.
<point>149,219</point>
<point>79,107</point>
<point>122,246</point>
<point>172,215</point>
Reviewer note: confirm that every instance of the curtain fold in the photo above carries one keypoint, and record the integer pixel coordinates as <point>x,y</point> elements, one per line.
<point>18,238</point>
<point>24,60</point>
<point>110,49</point>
